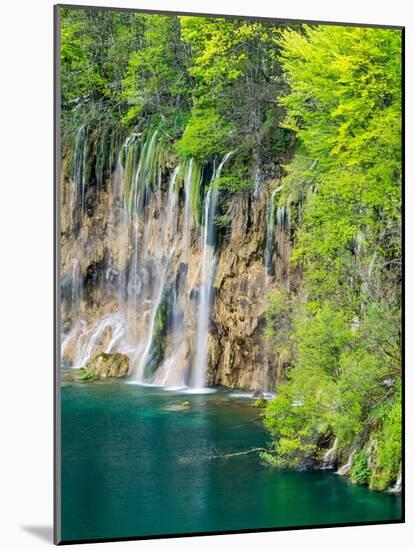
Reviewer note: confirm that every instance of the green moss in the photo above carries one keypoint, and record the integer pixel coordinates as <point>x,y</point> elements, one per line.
<point>389,453</point>
<point>260,403</point>
<point>86,375</point>
<point>361,471</point>
<point>158,345</point>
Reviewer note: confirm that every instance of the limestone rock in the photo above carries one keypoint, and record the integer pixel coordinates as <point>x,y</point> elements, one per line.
<point>108,365</point>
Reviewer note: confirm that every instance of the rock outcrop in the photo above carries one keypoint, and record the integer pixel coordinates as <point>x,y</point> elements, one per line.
<point>108,365</point>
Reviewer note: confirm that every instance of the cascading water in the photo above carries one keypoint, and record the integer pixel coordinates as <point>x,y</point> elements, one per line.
<point>397,488</point>
<point>257,182</point>
<point>283,218</point>
<point>132,180</point>
<point>328,459</point>
<point>158,265</point>
<point>346,468</point>
<point>79,159</point>
<point>187,212</point>
<point>206,279</point>
<point>269,243</point>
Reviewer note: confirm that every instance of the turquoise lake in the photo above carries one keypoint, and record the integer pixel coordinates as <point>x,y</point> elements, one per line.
<point>134,464</point>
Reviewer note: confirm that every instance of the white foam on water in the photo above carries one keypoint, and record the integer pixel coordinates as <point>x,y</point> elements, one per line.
<point>199,391</point>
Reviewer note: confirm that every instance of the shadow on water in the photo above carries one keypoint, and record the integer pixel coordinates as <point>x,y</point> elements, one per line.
<point>43,532</point>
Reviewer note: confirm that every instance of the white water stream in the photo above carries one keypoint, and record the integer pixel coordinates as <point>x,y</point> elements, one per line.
<point>157,314</point>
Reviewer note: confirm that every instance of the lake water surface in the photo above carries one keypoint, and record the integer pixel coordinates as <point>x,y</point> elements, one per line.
<point>134,463</point>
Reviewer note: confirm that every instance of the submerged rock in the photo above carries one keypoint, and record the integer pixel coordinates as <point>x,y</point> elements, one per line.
<point>260,403</point>
<point>179,407</point>
<point>107,365</point>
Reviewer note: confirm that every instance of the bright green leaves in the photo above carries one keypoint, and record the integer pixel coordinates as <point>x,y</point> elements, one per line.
<point>80,75</point>
<point>360,470</point>
<point>340,78</point>
<point>217,60</point>
<point>156,80</point>
<point>322,334</point>
<point>236,79</point>
<point>206,134</point>
<point>342,332</point>
<point>389,441</point>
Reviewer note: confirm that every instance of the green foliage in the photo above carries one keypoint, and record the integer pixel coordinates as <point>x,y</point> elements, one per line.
<point>206,135</point>
<point>360,469</point>
<point>389,439</point>
<point>232,184</point>
<point>279,317</point>
<point>237,77</point>
<point>342,331</point>
<point>260,403</point>
<point>208,85</point>
<point>291,419</point>
<point>95,49</point>
<point>156,82</point>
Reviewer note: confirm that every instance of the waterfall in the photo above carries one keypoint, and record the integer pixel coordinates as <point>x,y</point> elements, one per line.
<point>346,468</point>
<point>146,308</point>
<point>269,243</point>
<point>107,335</point>
<point>170,220</point>
<point>76,283</point>
<point>132,178</point>
<point>397,488</point>
<point>148,342</point>
<point>186,223</point>
<point>283,219</point>
<point>79,159</point>
<point>206,278</point>
<point>328,459</point>
<point>257,182</point>
<point>172,202</point>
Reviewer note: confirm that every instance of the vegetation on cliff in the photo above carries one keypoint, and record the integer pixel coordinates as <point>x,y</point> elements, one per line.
<point>343,327</point>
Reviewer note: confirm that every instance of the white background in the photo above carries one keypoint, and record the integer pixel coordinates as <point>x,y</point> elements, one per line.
<point>26,302</point>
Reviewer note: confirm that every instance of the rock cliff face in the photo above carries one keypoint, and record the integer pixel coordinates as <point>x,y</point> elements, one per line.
<point>139,266</point>
<point>239,357</point>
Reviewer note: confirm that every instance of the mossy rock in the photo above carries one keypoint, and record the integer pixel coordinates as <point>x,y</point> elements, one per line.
<point>260,403</point>
<point>106,365</point>
<point>87,376</point>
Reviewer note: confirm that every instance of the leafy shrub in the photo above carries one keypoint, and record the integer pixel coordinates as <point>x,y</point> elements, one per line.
<point>206,134</point>
<point>389,453</point>
<point>360,470</point>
